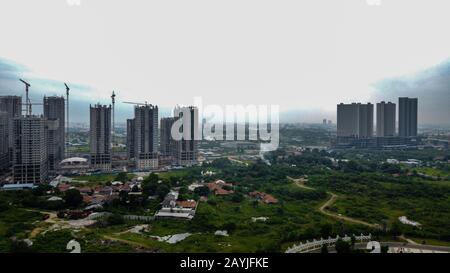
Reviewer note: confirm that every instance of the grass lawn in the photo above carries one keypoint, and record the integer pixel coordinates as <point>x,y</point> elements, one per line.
<point>96,179</point>
<point>433,171</point>
<point>16,222</point>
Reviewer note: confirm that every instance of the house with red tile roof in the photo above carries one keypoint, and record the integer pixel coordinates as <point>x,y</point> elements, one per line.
<point>264,197</point>
<point>221,191</point>
<point>187,204</point>
<point>218,187</point>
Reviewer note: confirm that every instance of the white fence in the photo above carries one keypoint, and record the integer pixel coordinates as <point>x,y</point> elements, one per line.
<point>317,244</point>
<point>99,215</point>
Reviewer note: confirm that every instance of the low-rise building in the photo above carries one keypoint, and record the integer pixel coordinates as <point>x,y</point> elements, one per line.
<point>218,187</point>
<point>264,197</point>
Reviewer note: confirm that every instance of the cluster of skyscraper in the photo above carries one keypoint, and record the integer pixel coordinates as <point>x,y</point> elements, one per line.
<point>356,120</point>
<point>148,147</point>
<point>32,145</point>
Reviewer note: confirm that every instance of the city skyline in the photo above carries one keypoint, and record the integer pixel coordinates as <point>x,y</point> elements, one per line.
<point>246,59</point>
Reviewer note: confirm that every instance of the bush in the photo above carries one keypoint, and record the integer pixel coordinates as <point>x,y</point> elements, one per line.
<point>73,198</point>
<point>19,247</point>
<point>202,191</point>
<point>342,247</point>
<point>115,219</point>
<point>61,214</point>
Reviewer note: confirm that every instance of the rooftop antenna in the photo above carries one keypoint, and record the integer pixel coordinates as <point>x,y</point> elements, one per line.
<point>27,99</point>
<point>67,124</point>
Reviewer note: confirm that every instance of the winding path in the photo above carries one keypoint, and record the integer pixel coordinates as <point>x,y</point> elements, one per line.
<point>333,197</point>
<point>51,219</point>
<point>129,242</point>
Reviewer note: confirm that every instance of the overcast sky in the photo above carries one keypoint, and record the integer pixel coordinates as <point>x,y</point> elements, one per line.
<point>302,55</point>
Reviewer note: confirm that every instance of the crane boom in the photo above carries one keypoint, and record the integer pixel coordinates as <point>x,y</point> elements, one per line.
<point>27,99</point>
<point>136,103</point>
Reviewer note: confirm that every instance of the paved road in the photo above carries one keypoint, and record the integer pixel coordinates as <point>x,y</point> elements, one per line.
<point>333,197</point>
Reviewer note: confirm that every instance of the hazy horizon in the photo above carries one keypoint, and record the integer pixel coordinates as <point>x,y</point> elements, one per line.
<point>305,56</point>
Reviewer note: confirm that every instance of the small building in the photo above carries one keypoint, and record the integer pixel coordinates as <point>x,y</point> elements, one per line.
<point>264,197</point>
<point>187,204</point>
<point>218,187</point>
<point>74,165</point>
<point>55,198</point>
<point>15,187</point>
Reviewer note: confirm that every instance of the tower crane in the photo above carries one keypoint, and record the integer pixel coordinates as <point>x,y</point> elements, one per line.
<point>67,124</point>
<point>27,99</point>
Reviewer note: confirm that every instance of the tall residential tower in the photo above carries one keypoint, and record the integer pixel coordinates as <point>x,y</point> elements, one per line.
<point>386,113</point>
<point>407,117</point>
<point>186,149</point>
<point>12,106</point>
<point>355,120</point>
<point>54,112</point>
<point>30,159</point>
<point>100,137</point>
<point>145,136</point>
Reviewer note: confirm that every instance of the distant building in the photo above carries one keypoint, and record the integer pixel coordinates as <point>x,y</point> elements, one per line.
<point>54,111</point>
<point>130,139</point>
<point>12,106</point>
<point>30,159</point>
<point>186,149</point>
<point>167,144</point>
<point>100,137</point>
<point>407,114</point>
<point>386,120</point>
<point>4,147</point>
<point>324,121</point>
<point>77,165</point>
<point>145,136</point>
<point>355,120</point>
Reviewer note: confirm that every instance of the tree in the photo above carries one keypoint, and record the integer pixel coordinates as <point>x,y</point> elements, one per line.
<point>115,219</point>
<point>61,214</point>
<point>237,197</point>
<point>202,191</point>
<point>229,226</point>
<point>152,178</point>
<point>325,230</point>
<point>73,198</point>
<point>353,241</point>
<point>122,177</point>
<point>162,190</point>
<point>41,189</point>
<point>19,246</point>
<point>183,190</point>
<point>396,229</point>
<point>149,188</point>
<point>342,247</point>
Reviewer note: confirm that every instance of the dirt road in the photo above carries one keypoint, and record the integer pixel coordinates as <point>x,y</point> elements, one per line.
<point>333,197</point>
